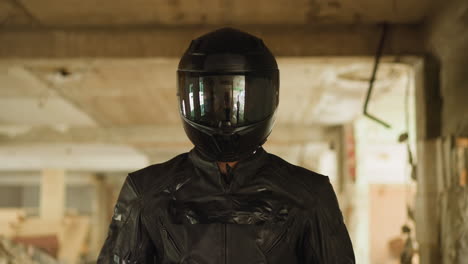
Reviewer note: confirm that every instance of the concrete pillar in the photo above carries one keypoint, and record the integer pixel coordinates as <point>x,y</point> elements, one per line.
<point>453,203</point>
<point>52,198</point>
<point>102,211</point>
<point>428,203</point>
<point>429,147</point>
<point>336,135</point>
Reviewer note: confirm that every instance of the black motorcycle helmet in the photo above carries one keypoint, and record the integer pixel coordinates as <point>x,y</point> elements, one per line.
<point>228,91</point>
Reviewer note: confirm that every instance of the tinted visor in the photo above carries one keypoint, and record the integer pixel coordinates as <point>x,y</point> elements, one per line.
<point>227,101</point>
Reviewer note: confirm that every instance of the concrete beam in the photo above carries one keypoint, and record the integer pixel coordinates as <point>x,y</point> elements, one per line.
<point>33,178</point>
<point>118,149</point>
<point>149,136</point>
<point>158,41</point>
<point>77,157</point>
<point>136,135</point>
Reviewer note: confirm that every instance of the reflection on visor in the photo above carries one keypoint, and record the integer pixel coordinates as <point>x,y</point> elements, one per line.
<point>221,97</point>
<point>226,100</point>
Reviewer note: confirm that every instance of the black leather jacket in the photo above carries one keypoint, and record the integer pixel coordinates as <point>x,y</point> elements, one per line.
<point>182,211</point>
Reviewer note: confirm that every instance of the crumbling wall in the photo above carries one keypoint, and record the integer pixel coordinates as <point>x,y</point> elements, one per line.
<point>447,41</point>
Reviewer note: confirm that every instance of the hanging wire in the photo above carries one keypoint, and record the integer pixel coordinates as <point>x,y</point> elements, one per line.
<point>378,55</point>
<point>26,12</point>
<point>406,138</point>
<point>409,249</point>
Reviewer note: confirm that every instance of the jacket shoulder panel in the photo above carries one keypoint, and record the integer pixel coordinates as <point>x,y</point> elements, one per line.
<point>157,176</point>
<point>309,182</point>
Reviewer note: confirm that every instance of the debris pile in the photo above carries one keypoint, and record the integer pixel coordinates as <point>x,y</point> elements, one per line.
<point>16,253</point>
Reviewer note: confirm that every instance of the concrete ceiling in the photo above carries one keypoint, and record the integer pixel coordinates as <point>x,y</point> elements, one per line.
<point>209,12</point>
<point>101,74</point>
<point>132,102</point>
<point>124,93</point>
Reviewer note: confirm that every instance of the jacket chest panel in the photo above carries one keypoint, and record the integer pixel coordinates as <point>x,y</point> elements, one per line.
<point>225,243</point>
<point>225,227</point>
<point>229,209</point>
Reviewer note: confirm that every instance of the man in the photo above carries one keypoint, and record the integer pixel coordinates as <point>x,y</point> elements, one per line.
<point>227,200</point>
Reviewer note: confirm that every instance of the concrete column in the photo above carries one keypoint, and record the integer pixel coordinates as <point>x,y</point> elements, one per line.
<point>52,198</point>
<point>453,203</point>
<point>347,168</point>
<point>102,211</point>
<point>429,152</point>
<point>428,203</point>
<point>337,145</point>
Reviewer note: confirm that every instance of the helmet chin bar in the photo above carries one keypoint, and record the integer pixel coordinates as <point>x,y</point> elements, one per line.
<point>228,144</point>
<point>223,131</point>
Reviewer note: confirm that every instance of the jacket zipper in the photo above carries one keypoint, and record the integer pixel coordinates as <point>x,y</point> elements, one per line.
<point>276,241</point>
<point>225,243</point>
<point>168,237</point>
<point>137,243</point>
<point>227,188</point>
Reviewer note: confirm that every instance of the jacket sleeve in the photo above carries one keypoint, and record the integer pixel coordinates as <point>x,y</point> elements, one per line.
<point>326,239</point>
<point>127,239</point>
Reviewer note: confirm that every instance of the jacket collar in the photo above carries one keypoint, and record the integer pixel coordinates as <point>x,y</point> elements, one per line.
<point>243,170</point>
